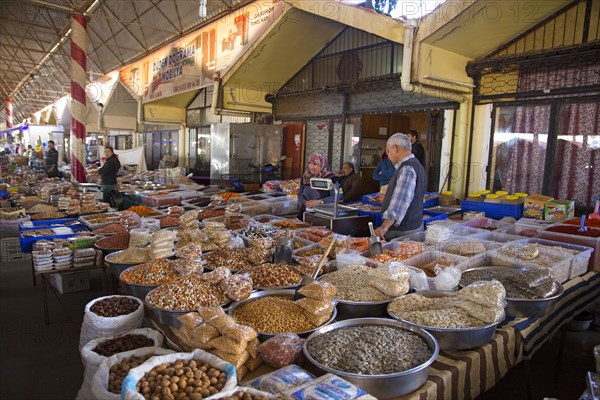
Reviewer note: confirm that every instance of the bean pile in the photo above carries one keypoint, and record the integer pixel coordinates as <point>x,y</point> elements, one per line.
<point>274,275</point>
<point>352,284</point>
<point>124,343</point>
<point>187,293</point>
<point>242,396</point>
<point>369,350</point>
<point>119,371</point>
<point>117,241</point>
<point>182,379</point>
<point>115,306</point>
<point>152,273</point>
<point>273,314</point>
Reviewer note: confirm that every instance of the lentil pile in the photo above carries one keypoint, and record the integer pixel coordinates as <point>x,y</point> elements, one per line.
<point>274,275</point>
<point>124,343</point>
<point>114,306</point>
<point>191,379</point>
<point>152,273</point>
<point>187,293</point>
<point>369,350</point>
<point>273,314</point>
<point>352,284</point>
<point>119,371</point>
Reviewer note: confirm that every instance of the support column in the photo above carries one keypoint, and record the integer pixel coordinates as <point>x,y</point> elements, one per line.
<point>78,96</point>
<point>9,113</point>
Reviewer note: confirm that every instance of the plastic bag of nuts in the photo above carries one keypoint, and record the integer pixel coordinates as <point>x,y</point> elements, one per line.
<point>108,380</point>
<point>244,393</point>
<point>281,350</point>
<point>217,377</point>
<point>237,287</point>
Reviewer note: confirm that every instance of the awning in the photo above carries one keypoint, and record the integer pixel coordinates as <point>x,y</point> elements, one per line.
<point>169,110</point>
<point>120,109</point>
<point>483,26</point>
<point>289,44</point>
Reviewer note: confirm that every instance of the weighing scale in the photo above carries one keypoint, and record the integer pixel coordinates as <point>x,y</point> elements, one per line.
<point>336,217</point>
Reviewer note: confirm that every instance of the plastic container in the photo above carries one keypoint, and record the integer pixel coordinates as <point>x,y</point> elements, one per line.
<point>163,200</point>
<point>502,193</point>
<point>27,242</point>
<point>430,216</point>
<point>492,210</point>
<point>447,199</point>
<point>493,198</point>
<point>475,197</point>
<point>429,256</point>
<point>283,205</point>
<point>488,224</point>
<point>522,196</point>
<point>496,237</point>
<point>484,192</point>
<point>525,231</point>
<point>511,200</point>
<point>594,263</point>
<point>579,262</point>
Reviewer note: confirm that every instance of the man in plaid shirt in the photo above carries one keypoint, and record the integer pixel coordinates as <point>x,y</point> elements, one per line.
<point>402,204</point>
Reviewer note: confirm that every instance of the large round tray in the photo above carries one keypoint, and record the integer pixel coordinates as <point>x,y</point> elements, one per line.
<point>454,338</point>
<point>139,291</point>
<point>381,386</point>
<point>287,292</point>
<point>527,307</point>
<point>118,267</point>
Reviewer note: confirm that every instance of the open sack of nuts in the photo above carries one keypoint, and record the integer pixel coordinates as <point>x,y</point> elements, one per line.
<point>110,316</point>
<point>108,380</point>
<point>210,376</point>
<point>98,350</point>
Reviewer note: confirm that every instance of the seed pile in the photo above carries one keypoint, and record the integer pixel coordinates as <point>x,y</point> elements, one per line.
<point>273,314</point>
<point>369,350</point>
<point>152,273</point>
<point>352,284</point>
<point>274,275</point>
<point>191,379</point>
<point>187,293</point>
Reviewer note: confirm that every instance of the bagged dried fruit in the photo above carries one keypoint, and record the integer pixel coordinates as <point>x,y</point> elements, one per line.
<point>281,350</point>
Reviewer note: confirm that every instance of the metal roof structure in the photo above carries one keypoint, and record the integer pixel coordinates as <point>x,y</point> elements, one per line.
<point>35,43</point>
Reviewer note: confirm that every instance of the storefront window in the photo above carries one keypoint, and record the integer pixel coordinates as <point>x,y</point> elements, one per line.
<point>577,168</point>
<point>352,141</point>
<point>519,148</point>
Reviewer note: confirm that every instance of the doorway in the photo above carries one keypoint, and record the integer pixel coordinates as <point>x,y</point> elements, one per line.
<point>293,149</point>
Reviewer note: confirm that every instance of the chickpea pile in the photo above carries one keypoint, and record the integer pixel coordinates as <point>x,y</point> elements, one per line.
<point>182,380</point>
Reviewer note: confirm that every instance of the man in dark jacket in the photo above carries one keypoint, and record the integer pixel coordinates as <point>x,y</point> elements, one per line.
<point>351,183</point>
<point>109,172</point>
<point>51,160</point>
<point>417,148</point>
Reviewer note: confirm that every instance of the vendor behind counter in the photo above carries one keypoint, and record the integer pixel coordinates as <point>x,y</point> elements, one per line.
<point>308,197</point>
<point>109,172</point>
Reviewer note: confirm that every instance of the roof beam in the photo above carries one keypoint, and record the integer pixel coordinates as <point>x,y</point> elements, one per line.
<point>53,6</point>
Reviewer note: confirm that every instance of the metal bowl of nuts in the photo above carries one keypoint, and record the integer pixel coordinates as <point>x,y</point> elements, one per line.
<point>139,291</point>
<point>119,261</point>
<point>386,358</point>
<point>272,311</point>
<point>451,338</point>
<point>165,317</point>
<point>519,307</point>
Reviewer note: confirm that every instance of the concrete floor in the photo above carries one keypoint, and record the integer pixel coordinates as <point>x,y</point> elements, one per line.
<point>39,361</point>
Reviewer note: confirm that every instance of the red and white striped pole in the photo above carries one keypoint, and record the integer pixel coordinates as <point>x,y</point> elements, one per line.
<point>9,113</point>
<point>78,97</point>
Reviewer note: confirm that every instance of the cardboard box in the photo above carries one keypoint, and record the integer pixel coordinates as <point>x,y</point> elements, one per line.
<point>534,206</point>
<point>70,282</point>
<point>559,210</point>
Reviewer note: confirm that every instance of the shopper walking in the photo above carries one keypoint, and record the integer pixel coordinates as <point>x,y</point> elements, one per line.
<point>109,172</point>
<point>51,160</point>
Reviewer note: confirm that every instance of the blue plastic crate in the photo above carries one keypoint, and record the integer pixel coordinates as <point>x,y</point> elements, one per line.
<point>27,242</point>
<point>493,210</point>
<point>366,199</point>
<point>434,202</point>
<point>46,223</point>
<point>433,216</point>
<point>377,217</point>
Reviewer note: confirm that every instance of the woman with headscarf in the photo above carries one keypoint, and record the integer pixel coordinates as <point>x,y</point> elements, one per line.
<point>308,197</point>
<point>384,171</point>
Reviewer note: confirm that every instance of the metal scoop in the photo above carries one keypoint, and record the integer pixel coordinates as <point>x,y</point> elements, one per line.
<point>375,246</point>
<point>284,249</point>
<point>582,227</point>
<point>308,279</point>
